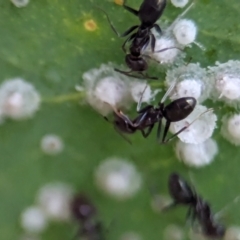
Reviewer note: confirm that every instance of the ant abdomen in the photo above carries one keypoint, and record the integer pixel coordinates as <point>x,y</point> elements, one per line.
<point>179,109</point>
<point>137,64</point>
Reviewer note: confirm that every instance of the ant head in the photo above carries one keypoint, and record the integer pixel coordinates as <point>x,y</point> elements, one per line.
<point>137,64</point>
<point>220,230</point>
<point>179,189</point>
<point>122,125</point>
<point>82,208</point>
<point>214,230</point>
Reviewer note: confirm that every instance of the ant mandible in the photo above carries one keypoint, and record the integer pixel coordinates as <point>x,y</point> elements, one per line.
<point>148,13</point>
<point>199,209</point>
<point>85,212</point>
<point>148,116</point>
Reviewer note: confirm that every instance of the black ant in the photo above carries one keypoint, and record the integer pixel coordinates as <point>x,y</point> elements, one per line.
<point>148,116</point>
<point>148,13</point>
<point>199,209</point>
<point>85,212</point>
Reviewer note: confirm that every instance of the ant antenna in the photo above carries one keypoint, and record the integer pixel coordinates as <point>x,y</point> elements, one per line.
<point>119,113</point>
<point>188,62</point>
<point>168,92</point>
<point>122,116</point>
<point>122,135</point>
<point>151,58</point>
<point>110,23</point>
<point>182,14</point>
<point>140,99</point>
<point>142,76</point>
<point>164,49</point>
<point>131,29</point>
<point>201,46</point>
<point>161,50</point>
<point>221,212</point>
<point>119,132</point>
<point>184,128</point>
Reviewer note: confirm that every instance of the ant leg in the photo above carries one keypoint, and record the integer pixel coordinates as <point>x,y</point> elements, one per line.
<point>122,135</point>
<point>157,28</point>
<point>159,129</point>
<point>127,40</point>
<point>219,214</point>
<point>145,76</point>
<point>182,14</point>
<point>165,131</point>
<point>139,110</point>
<point>153,59</point>
<point>145,109</point>
<point>114,29</point>
<point>168,92</point>
<point>145,43</point>
<point>133,11</point>
<point>134,76</point>
<point>184,128</point>
<point>106,118</point>
<point>165,49</point>
<point>191,215</point>
<point>126,73</point>
<point>153,42</point>
<point>149,130</point>
<point>131,29</point>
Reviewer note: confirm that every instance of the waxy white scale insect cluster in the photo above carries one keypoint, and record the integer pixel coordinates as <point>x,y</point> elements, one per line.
<point>107,90</point>
<point>231,128</point>
<point>33,220</point>
<point>197,155</point>
<point>179,3</point>
<point>220,82</point>
<point>54,199</point>
<point>168,47</point>
<point>198,132</point>
<point>173,232</point>
<point>52,144</point>
<point>190,81</point>
<point>226,81</point>
<point>118,178</point>
<point>232,233</point>
<point>52,204</point>
<point>185,31</point>
<point>166,51</point>
<point>29,236</point>
<point>18,99</point>
<point>20,3</point>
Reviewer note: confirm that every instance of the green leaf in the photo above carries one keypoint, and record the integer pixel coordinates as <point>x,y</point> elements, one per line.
<point>47,44</point>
